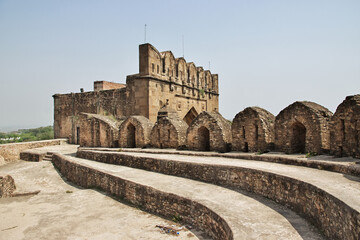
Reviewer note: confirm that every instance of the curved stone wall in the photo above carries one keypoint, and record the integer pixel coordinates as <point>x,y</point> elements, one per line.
<point>336,219</point>
<point>303,127</point>
<point>147,198</point>
<point>253,130</point>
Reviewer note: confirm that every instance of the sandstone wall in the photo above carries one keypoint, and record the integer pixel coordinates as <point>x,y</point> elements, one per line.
<point>345,128</point>
<point>7,186</point>
<point>209,132</point>
<point>333,217</point>
<point>135,132</point>
<point>96,130</point>
<point>105,85</point>
<point>67,108</point>
<point>146,198</point>
<point>253,130</point>
<point>10,152</point>
<point>168,132</point>
<point>303,127</point>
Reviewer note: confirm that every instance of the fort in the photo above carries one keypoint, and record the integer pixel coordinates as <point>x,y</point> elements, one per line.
<point>171,103</point>
<point>159,144</point>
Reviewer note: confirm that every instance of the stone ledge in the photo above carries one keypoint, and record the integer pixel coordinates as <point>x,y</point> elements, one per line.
<point>147,198</point>
<point>336,219</point>
<point>350,169</point>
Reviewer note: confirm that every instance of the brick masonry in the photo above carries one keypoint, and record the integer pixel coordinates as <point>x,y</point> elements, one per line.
<point>333,217</point>
<point>146,198</point>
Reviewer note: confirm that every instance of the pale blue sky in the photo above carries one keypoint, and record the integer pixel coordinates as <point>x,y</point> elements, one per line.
<point>267,53</point>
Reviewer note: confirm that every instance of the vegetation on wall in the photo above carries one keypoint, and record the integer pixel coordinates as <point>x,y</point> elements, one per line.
<point>27,135</point>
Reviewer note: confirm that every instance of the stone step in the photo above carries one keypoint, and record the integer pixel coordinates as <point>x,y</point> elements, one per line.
<point>247,217</point>
<point>328,199</point>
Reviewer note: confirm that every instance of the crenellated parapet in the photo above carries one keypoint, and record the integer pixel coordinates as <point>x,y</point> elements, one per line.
<point>164,66</point>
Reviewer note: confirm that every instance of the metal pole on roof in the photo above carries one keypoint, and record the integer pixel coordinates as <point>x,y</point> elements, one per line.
<point>145,35</point>
<point>183,48</point>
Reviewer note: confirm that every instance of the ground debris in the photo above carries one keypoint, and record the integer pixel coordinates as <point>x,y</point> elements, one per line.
<point>170,229</point>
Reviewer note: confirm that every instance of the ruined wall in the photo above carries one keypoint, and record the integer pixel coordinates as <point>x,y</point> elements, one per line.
<point>11,151</point>
<point>253,130</point>
<point>345,128</point>
<point>150,199</point>
<point>135,132</point>
<point>209,132</point>
<point>7,186</point>
<point>303,127</point>
<point>105,85</point>
<point>94,130</point>
<point>169,130</point>
<point>67,108</point>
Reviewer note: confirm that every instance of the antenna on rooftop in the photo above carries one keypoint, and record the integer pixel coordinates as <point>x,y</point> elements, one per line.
<point>145,35</point>
<point>183,46</point>
<point>209,65</point>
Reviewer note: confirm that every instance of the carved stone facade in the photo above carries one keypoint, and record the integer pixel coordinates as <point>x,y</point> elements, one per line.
<point>345,128</point>
<point>162,80</point>
<point>209,132</point>
<point>253,130</point>
<point>303,127</point>
<point>135,132</point>
<point>169,130</point>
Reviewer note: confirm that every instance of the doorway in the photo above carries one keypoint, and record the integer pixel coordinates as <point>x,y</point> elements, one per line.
<point>204,139</point>
<point>131,142</point>
<point>298,140</point>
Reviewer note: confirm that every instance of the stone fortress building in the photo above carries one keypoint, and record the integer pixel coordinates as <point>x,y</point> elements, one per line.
<point>174,104</point>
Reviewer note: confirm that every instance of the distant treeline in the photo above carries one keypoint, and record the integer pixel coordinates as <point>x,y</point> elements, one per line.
<point>27,135</point>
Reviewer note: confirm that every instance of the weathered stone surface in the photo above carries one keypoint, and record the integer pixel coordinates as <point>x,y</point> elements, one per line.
<point>96,130</point>
<point>336,219</point>
<point>209,132</point>
<point>253,130</point>
<point>135,132</point>
<point>148,198</point>
<point>10,152</point>
<point>7,186</point>
<point>169,130</point>
<point>345,128</point>
<point>303,127</point>
<point>161,80</point>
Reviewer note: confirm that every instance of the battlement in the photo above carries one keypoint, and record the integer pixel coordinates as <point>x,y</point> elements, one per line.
<point>164,66</point>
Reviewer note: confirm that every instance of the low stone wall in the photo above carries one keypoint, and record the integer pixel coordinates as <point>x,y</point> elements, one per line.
<point>32,156</point>
<point>7,186</point>
<point>10,152</point>
<point>333,217</point>
<point>145,197</point>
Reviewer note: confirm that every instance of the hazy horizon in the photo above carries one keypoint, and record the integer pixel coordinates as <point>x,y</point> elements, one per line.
<point>267,53</point>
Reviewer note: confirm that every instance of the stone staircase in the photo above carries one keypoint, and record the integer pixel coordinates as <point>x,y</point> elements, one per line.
<point>48,156</point>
